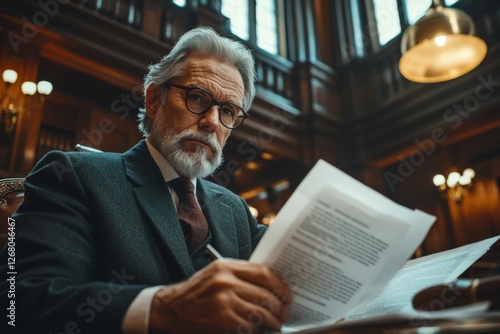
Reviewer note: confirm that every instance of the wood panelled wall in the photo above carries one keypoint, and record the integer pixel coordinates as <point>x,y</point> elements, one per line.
<point>322,101</point>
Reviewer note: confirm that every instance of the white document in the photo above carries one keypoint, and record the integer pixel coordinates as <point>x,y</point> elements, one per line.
<point>393,303</point>
<point>421,273</point>
<point>337,242</point>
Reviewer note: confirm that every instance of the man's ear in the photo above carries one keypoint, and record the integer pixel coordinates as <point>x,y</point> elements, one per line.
<point>153,100</point>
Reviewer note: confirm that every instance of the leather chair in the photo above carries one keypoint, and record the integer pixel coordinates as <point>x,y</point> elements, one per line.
<point>11,196</point>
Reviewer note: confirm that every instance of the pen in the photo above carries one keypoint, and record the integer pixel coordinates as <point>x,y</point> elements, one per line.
<point>214,254</point>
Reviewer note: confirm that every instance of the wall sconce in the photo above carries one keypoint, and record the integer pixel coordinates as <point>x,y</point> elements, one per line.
<point>9,116</point>
<point>455,185</point>
<point>440,46</point>
<point>8,121</point>
<point>28,88</point>
<point>44,88</point>
<point>9,77</point>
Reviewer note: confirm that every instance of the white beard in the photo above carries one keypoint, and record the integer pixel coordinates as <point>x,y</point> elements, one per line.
<point>188,164</point>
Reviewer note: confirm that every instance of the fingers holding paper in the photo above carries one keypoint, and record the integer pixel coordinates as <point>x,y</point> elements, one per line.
<point>227,296</point>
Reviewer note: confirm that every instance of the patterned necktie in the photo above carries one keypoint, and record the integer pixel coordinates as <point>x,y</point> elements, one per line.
<point>190,212</point>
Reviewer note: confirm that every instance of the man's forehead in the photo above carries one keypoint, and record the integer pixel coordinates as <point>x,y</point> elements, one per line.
<point>211,72</point>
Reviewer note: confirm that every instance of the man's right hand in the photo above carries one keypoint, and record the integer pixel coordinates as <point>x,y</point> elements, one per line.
<point>228,296</point>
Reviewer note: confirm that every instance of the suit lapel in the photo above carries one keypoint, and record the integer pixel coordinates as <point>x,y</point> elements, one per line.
<point>153,197</point>
<point>220,219</point>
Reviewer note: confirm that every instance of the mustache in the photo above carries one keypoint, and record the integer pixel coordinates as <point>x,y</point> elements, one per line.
<point>200,136</point>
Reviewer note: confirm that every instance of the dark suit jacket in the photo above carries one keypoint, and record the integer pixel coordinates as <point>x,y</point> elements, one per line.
<point>97,228</point>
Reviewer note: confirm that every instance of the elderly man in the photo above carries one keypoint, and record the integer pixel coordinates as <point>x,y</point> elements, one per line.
<point>109,243</point>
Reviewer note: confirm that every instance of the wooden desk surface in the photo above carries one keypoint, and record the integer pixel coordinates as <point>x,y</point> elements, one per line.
<point>489,325</point>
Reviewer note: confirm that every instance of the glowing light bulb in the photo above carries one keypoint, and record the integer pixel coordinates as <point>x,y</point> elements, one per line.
<point>438,180</point>
<point>470,173</point>
<point>28,88</point>
<point>440,40</point>
<point>44,87</point>
<point>9,76</point>
<point>453,179</point>
<point>464,180</point>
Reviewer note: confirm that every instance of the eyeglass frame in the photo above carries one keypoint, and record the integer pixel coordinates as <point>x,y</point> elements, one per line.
<point>214,102</point>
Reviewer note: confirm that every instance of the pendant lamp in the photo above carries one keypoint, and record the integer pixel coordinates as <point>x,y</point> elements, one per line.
<point>440,46</point>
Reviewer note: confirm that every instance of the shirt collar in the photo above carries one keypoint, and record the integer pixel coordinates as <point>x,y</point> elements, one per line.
<point>167,171</point>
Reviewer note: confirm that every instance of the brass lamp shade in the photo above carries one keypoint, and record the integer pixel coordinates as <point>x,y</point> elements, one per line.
<point>440,46</point>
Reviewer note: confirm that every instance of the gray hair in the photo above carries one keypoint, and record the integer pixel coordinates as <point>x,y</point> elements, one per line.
<point>201,40</point>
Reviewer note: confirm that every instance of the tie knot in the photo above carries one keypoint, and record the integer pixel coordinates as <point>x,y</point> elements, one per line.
<point>182,186</point>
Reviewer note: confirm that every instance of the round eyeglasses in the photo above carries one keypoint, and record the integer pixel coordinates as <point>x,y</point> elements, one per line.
<point>199,100</point>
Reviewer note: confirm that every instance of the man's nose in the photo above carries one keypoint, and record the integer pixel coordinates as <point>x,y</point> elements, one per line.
<point>210,119</point>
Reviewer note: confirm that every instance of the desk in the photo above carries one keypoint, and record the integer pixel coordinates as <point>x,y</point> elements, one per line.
<point>484,325</point>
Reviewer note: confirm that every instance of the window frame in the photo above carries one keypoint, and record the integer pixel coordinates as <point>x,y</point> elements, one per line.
<point>281,46</point>
<point>371,22</point>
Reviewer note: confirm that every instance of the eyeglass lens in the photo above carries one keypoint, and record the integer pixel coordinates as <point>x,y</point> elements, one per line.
<point>198,101</point>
